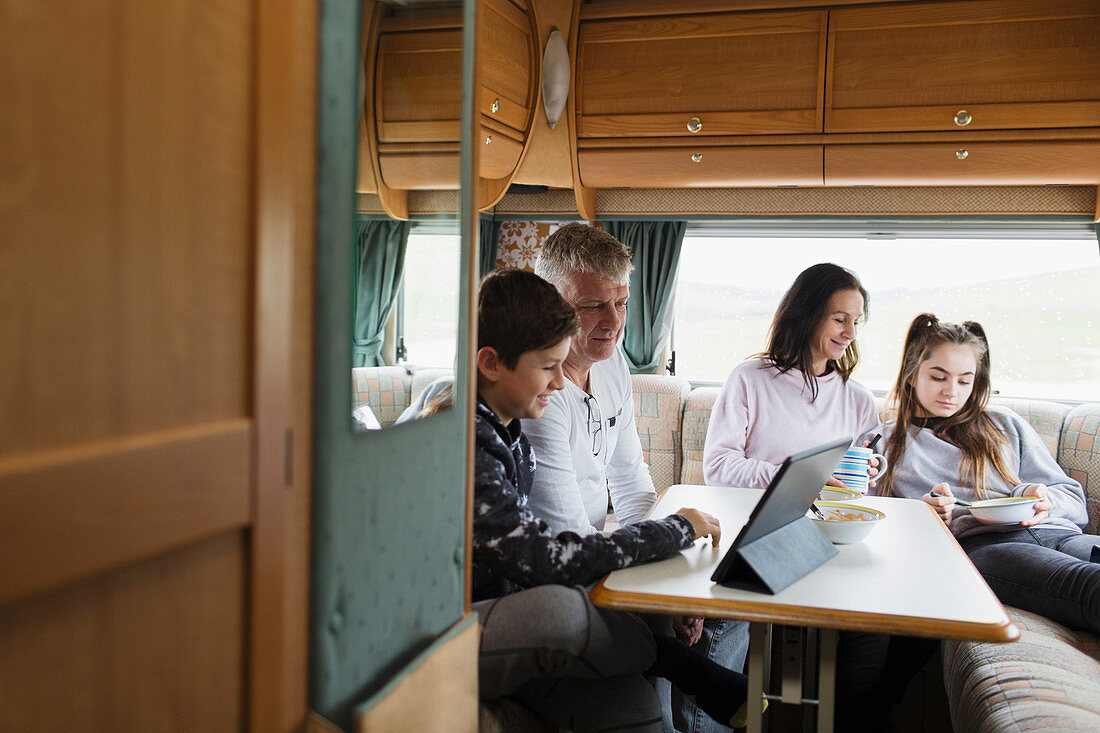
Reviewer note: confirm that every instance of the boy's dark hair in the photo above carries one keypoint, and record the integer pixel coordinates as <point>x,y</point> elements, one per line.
<point>518,311</point>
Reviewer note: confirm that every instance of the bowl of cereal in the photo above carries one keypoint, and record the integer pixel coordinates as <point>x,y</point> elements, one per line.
<point>846,524</point>
<point>1004,510</point>
<point>839,493</point>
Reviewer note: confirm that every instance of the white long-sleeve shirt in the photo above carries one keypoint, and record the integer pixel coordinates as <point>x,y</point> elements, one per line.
<point>761,417</point>
<point>572,486</point>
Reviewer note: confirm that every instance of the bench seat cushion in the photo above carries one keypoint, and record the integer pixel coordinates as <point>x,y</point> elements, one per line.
<point>1048,680</point>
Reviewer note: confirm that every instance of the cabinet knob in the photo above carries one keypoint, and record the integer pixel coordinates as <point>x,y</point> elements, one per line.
<point>695,124</point>
<point>495,106</point>
<point>962,118</point>
<point>488,139</point>
<point>696,157</point>
<point>961,154</point>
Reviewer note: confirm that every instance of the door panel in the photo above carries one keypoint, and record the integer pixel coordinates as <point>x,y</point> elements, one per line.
<point>154,206</point>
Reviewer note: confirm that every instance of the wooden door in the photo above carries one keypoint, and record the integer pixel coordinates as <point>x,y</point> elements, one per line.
<point>733,73</point>
<point>980,65</point>
<point>156,222</point>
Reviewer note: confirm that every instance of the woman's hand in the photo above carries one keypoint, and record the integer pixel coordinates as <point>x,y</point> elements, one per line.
<point>872,466</point>
<point>704,524</point>
<point>834,481</point>
<point>942,504</point>
<point>1042,507</point>
<point>688,629</point>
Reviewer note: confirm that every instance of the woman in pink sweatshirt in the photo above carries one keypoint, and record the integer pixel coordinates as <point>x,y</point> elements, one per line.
<point>796,395</point>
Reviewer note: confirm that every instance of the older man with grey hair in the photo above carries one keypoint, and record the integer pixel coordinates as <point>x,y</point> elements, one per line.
<point>586,443</point>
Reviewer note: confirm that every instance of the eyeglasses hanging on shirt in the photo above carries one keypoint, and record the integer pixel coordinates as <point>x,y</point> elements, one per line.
<point>595,424</point>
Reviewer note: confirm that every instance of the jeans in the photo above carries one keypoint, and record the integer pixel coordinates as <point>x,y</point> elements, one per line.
<point>575,665</point>
<point>1046,571</point>
<point>725,641</point>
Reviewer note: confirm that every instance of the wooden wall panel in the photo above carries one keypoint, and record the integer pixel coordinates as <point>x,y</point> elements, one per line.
<point>154,647</point>
<point>155,208</point>
<point>127,218</point>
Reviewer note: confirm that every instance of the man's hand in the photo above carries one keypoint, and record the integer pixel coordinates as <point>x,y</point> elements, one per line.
<point>942,504</point>
<point>704,524</point>
<point>688,629</point>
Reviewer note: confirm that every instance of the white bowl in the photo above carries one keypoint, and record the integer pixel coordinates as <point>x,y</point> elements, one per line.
<point>1004,510</point>
<point>835,493</point>
<point>845,524</point>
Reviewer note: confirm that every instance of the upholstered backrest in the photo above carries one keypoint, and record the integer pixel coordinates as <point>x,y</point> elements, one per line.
<point>1079,455</point>
<point>384,388</point>
<point>1046,417</point>
<point>696,420</point>
<point>658,406</point>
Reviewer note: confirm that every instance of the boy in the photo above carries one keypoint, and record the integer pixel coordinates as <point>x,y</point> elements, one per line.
<point>543,642</point>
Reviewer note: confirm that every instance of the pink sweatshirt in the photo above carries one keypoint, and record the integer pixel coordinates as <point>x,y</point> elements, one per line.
<point>762,416</point>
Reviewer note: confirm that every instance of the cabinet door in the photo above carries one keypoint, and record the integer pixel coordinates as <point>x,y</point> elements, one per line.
<point>964,164</point>
<point>988,64</point>
<point>702,167</point>
<point>743,73</point>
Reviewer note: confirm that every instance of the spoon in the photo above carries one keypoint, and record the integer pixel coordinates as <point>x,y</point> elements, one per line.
<point>816,511</point>
<point>960,502</point>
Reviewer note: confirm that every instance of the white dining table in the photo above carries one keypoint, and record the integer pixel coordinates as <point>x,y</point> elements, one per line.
<point>908,577</point>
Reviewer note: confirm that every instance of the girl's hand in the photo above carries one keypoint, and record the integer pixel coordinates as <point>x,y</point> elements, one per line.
<point>1042,507</point>
<point>704,524</point>
<point>834,481</point>
<point>942,504</point>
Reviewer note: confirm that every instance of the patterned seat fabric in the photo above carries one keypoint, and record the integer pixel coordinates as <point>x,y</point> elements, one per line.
<point>385,389</point>
<point>1048,680</point>
<point>658,407</point>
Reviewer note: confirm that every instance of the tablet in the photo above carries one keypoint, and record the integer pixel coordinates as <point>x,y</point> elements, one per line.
<point>787,498</point>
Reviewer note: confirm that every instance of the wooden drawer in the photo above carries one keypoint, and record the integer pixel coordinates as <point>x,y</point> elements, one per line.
<point>996,64</point>
<point>970,164</point>
<point>701,167</point>
<point>738,73</point>
<point>405,167</point>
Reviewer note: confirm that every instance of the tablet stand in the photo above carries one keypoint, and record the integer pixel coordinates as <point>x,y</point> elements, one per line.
<point>770,563</point>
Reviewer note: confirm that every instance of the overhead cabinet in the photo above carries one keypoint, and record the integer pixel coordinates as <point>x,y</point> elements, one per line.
<point>653,93</point>
<point>413,117</point>
<point>703,74</point>
<point>966,92</point>
<point>964,66</point>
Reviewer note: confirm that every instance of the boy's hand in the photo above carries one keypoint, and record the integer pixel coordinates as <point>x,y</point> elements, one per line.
<point>704,524</point>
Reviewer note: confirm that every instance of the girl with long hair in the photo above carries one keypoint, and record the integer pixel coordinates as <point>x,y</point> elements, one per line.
<point>945,439</point>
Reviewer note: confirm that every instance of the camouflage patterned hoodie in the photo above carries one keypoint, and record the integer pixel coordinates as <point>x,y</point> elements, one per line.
<point>513,549</point>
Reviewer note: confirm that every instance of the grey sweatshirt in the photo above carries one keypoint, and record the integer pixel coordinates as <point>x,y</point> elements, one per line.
<point>929,460</point>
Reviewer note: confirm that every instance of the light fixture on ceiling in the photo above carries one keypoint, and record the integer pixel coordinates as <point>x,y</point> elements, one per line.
<point>555,77</point>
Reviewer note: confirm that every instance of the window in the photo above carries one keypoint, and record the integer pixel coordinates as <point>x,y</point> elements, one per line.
<point>1033,287</point>
<point>427,307</point>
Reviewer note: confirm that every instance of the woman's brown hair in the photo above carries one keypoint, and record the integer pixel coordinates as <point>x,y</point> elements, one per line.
<point>970,429</point>
<point>798,315</point>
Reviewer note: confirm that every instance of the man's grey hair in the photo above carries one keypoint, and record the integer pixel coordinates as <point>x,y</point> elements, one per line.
<point>576,248</point>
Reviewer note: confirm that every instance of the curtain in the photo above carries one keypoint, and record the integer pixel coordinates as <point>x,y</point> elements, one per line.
<point>488,235</point>
<point>379,265</point>
<point>655,251</point>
